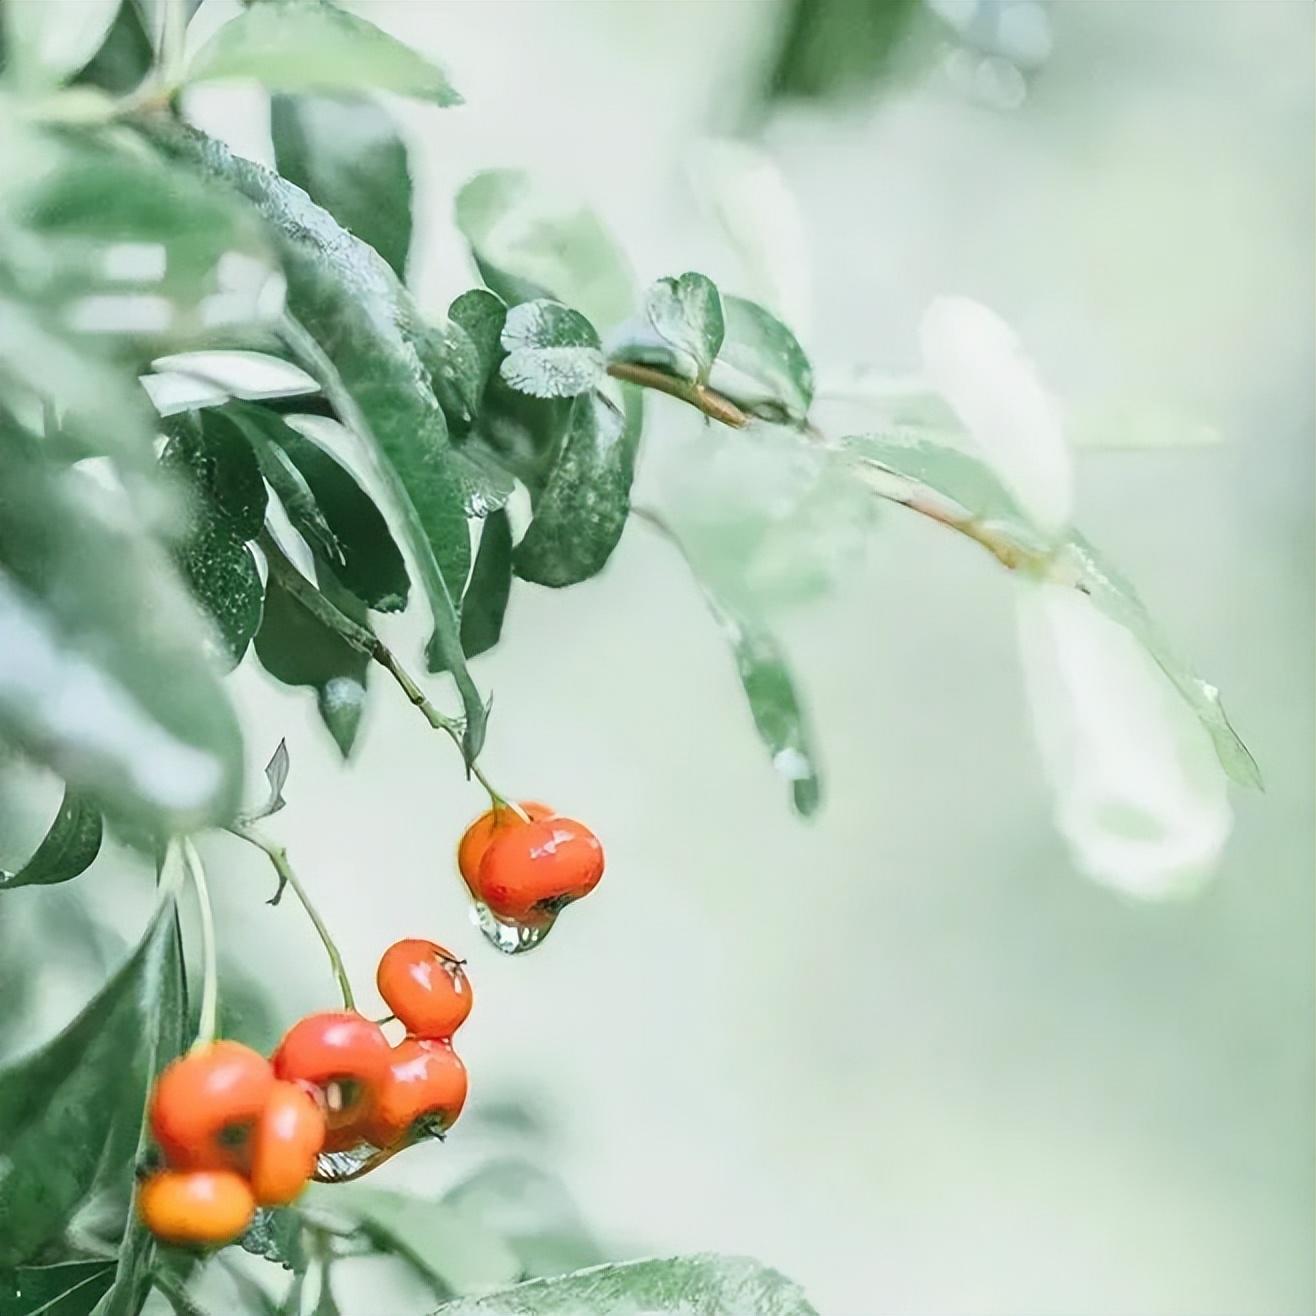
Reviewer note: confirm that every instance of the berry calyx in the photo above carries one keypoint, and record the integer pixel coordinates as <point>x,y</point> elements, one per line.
<point>425,986</point>
<point>201,1207</point>
<point>345,1057</point>
<point>424,1092</point>
<point>285,1142</point>
<point>529,873</point>
<point>477,837</point>
<point>205,1103</point>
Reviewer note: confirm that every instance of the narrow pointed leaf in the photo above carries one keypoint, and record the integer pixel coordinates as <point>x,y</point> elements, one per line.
<point>303,45</point>
<point>346,153</point>
<point>68,848</point>
<point>485,602</point>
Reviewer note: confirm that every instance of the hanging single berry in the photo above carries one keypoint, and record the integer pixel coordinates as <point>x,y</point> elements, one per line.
<point>529,873</point>
<point>205,1104</point>
<point>425,986</point>
<point>285,1142</point>
<point>424,1091</point>
<point>201,1207</point>
<point>345,1056</point>
<point>475,841</point>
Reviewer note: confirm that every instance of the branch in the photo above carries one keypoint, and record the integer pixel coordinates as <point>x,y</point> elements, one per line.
<point>713,405</point>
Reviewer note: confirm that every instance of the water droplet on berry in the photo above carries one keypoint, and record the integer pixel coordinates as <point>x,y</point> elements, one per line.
<point>509,937</point>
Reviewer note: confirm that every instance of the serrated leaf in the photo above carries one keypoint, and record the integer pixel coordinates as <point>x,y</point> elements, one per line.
<point>530,243</point>
<point>445,1246</point>
<point>582,509</point>
<point>64,1288</point>
<point>295,647</point>
<point>761,367</point>
<point>47,42</point>
<point>61,1104</point>
<point>1117,598</point>
<point>367,562</point>
<point>346,153</point>
<point>102,675</point>
<point>303,45</point>
<point>699,1285</point>
<point>354,330</point>
<point>485,602</point>
<point>68,848</point>
<point>552,351</point>
<point>682,329</point>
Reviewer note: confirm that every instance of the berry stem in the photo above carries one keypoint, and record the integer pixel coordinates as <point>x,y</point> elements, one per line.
<point>278,857</point>
<point>209,1017</point>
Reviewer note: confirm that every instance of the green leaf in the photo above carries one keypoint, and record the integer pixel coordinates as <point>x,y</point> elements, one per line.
<point>295,647</point>
<point>532,1211</point>
<point>70,845</point>
<point>47,42</point>
<point>553,351</point>
<point>698,1285</point>
<point>582,510</point>
<point>102,674</point>
<point>65,1288</point>
<point>530,244</point>
<point>126,56</point>
<point>1117,598</point>
<point>347,155</point>
<point>276,1234</point>
<point>354,330</point>
<point>482,315</point>
<point>118,250</point>
<point>366,562</point>
<point>761,367</point>
<point>449,1249</point>
<point>303,45</point>
<point>485,602</point>
<point>276,775</point>
<point>682,331</point>
<point>222,574</point>
<point>60,1105</point>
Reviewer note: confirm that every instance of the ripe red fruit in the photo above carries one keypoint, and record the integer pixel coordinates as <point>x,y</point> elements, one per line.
<point>345,1056</point>
<point>285,1142</point>
<point>426,1082</point>
<point>425,986</point>
<point>530,872</point>
<point>205,1207</point>
<point>205,1103</point>
<point>475,841</point>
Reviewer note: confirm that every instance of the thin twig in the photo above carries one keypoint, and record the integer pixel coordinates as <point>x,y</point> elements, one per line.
<point>712,404</point>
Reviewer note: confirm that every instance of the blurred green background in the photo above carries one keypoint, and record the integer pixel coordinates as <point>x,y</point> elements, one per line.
<point>903,1053</point>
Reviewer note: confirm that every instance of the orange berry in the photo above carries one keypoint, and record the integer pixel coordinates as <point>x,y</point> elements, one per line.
<point>425,986</point>
<point>345,1056</point>
<point>207,1207</point>
<point>475,841</point>
<point>205,1103</point>
<point>285,1142</point>
<point>426,1082</point>
<point>530,872</point>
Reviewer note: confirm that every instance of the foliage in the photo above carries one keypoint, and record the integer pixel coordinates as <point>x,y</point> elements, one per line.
<point>325,450</point>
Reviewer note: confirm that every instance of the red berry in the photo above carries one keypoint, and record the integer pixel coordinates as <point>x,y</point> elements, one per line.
<point>285,1142</point>
<point>345,1056</point>
<point>425,986</point>
<point>530,872</point>
<point>475,841</point>
<point>426,1082</point>
<point>205,1103</point>
<point>205,1207</point>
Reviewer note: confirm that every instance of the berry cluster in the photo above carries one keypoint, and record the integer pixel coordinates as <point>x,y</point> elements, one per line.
<point>238,1131</point>
<point>526,866</point>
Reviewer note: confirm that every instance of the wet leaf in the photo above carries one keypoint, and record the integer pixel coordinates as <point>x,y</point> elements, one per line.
<point>304,45</point>
<point>552,351</point>
<point>347,154</point>
<point>699,1285</point>
<point>68,848</point>
<point>485,602</point>
<point>529,243</point>
<point>102,673</point>
<point>681,331</point>
<point>276,1234</point>
<point>60,1106</point>
<point>64,1288</point>
<point>1117,598</point>
<point>47,42</point>
<point>445,1245</point>
<point>482,315</point>
<point>235,373</point>
<point>354,329</point>
<point>761,367</point>
<point>582,510</point>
